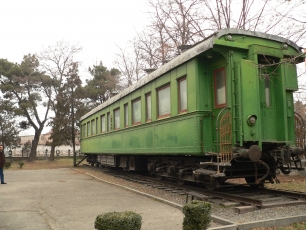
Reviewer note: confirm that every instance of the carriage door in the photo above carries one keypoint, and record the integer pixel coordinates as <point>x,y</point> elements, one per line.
<point>222,118</point>
<point>267,103</point>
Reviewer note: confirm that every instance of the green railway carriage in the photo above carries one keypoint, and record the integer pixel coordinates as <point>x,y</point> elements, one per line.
<point>222,109</point>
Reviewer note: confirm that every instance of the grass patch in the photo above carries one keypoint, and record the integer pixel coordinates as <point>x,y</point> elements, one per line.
<point>290,182</point>
<point>59,162</point>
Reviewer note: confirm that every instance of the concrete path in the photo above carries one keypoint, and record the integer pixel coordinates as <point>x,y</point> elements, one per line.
<point>61,199</point>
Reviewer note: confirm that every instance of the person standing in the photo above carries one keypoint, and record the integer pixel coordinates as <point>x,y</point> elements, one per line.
<point>2,162</point>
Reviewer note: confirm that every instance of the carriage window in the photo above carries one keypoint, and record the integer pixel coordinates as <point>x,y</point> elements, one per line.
<point>88,129</point>
<point>93,127</point>
<point>97,126</point>
<point>126,115</point>
<point>109,121</point>
<point>103,123</point>
<point>267,92</point>
<point>84,130</point>
<point>136,111</point>
<point>148,107</point>
<point>220,88</point>
<point>116,119</point>
<point>182,89</point>
<point>164,101</point>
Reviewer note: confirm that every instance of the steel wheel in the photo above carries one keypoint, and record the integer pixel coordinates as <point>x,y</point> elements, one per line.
<point>285,168</point>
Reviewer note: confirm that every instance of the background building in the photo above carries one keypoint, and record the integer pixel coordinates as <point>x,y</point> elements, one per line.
<point>63,150</point>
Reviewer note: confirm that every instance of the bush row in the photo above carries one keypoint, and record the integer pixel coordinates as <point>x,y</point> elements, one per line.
<point>197,217</point>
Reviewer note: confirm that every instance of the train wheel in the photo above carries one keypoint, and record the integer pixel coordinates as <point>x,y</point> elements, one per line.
<point>285,169</point>
<point>181,182</point>
<point>213,185</point>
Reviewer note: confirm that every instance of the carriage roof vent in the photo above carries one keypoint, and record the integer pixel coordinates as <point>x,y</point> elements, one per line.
<point>184,48</point>
<point>148,71</point>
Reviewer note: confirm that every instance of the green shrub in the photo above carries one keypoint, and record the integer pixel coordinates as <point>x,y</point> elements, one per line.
<point>7,165</point>
<point>127,220</point>
<point>197,215</point>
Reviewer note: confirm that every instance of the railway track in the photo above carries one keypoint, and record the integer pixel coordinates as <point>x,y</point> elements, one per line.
<point>242,198</point>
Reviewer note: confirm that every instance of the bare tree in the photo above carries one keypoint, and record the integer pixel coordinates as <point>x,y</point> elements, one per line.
<point>58,62</point>
<point>185,22</point>
<point>129,64</point>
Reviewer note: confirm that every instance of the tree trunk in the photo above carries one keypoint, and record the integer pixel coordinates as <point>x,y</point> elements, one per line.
<point>51,157</point>
<point>34,145</point>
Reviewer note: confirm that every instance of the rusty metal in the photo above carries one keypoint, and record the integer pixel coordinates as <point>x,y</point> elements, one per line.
<point>300,131</point>
<point>225,138</point>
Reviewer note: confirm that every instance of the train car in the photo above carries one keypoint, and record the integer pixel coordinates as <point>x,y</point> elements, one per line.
<point>222,109</point>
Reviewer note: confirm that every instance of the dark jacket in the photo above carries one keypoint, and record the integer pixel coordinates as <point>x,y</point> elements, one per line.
<point>2,159</point>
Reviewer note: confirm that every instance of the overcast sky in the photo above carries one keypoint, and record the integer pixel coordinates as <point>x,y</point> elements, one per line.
<point>98,26</point>
<point>29,26</point>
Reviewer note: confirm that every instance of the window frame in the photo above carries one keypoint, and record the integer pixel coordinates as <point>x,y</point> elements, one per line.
<point>115,123</point>
<point>158,102</point>
<point>148,113</point>
<point>88,128</point>
<point>109,119</point>
<point>184,78</point>
<point>93,127</point>
<point>103,123</point>
<point>132,111</point>
<point>84,130</point>
<point>126,115</point>
<point>216,105</point>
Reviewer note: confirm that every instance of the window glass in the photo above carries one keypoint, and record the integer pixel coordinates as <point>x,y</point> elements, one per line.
<point>148,107</point>
<point>88,129</point>
<point>103,123</point>
<point>136,111</point>
<point>84,130</point>
<point>164,101</point>
<point>126,114</point>
<point>109,121</point>
<point>183,99</point>
<point>267,92</point>
<point>93,127</point>
<point>97,126</point>
<point>116,119</point>
<point>220,88</point>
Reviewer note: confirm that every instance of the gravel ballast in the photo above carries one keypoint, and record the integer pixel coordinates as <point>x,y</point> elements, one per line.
<point>221,211</point>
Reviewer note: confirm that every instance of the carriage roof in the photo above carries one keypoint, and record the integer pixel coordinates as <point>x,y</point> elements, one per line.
<point>197,49</point>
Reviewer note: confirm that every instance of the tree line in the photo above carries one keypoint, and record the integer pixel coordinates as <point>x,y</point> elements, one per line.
<point>47,89</point>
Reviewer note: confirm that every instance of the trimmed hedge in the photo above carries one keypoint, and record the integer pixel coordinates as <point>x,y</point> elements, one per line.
<point>127,220</point>
<point>197,215</point>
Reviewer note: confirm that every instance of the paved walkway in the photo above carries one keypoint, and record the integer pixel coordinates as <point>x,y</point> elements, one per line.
<point>62,199</point>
